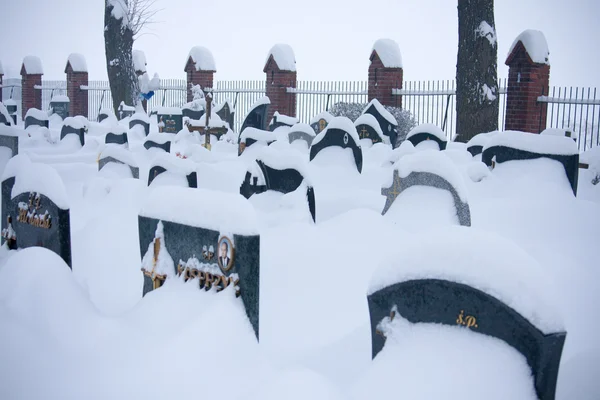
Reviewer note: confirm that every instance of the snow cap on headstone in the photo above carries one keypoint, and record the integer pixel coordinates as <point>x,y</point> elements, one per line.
<point>77,63</point>
<point>535,45</point>
<point>202,59</point>
<point>139,61</point>
<point>32,65</point>
<point>388,52</point>
<point>283,56</point>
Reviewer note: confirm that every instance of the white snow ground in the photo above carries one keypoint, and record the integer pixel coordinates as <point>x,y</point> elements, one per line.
<point>88,334</point>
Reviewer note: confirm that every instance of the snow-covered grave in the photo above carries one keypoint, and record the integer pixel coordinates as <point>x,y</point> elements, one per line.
<point>320,121</point>
<point>427,132</point>
<point>477,311</point>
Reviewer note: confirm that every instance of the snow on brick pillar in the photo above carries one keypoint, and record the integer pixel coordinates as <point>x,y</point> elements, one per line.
<point>385,72</point>
<point>528,78</point>
<point>77,76</point>
<point>200,68</point>
<point>31,75</point>
<point>280,70</point>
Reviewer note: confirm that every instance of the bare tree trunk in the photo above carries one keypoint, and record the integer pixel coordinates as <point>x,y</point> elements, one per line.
<point>118,42</point>
<point>476,69</point>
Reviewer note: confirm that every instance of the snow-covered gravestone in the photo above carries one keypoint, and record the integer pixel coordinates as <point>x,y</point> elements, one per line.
<point>9,138</point>
<point>302,132</point>
<point>250,136</point>
<point>170,119</point>
<point>515,145</point>
<point>35,209</point>
<point>5,118</point>
<point>341,133</point>
<point>125,111</point>
<point>432,169</point>
<point>36,117</point>
<point>226,112</point>
<point>387,122</point>
<point>210,238</point>
<point>60,106</point>
<point>281,120</point>
<point>117,157</point>
<point>319,122</point>
<point>158,141</point>
<point>74,126</point>
<point>118,138</point>
<point>474,281</point>
<point>172,171</point>
<point>257,116</point>
<point>425,132</point>
<point>142,120</point>
<point>367,127</point>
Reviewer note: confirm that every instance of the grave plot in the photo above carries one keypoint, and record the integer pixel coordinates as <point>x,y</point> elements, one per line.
<point>474,281</point>
<point>170,119</point>
<point>368,129</point>
<point>59,105</point>
<point>256,138</point>
<point>387,122</point>
<point>35,208</point>
<point>257,116</point>
<point>35,117</point>
<point>217,248</point>
<point>426,136</point>
<point>341,133</point>
<point>141,120</point>
<point>76,126</point>
<point>118,161</point>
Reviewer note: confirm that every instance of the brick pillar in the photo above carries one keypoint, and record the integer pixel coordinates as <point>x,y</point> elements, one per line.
<point>77,76</point>
<point>200,69</point>
<point>31,75</point>
<point>279,79</point>
<point>527,80</point>
<point>385,74</point>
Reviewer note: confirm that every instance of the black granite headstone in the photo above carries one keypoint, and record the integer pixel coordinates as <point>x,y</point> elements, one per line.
<point>4,121</point>
<point>135,171</point>
<point>256,118</point>
<point>12,142</point>
<point>192,178</point>
<point>192,114</point>
<point>366,131</point>
<point>185,242</point>
<point>125,111</point>
<point>31,121</point>
<point>35,220</point>
<point>423,136</point>
<point>172,123</point>
<point>60,108</point>
<point>150,144</point>
<point>474,150</point>
<point>300,135</point>
<point>463,211</point>
<point>277,122</point>
<point>341,138</point>
<point>450,303</point>
<point>102,116</point>
<point>319,126</point>
<point>142,123</point>
<point>69,130</point>
<point>116,138</point>
<point>11,108</point>
<point>226,114</point>
<point>389,129</point>
<point>505,153</point>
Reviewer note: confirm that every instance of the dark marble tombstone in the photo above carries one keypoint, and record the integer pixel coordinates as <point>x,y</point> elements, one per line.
<point>184,242</point>
<point>450,303</point>
<point>11,142</point>
<point>300,135</point>
<point>366,131</point>
<point>341,138</point>
<point>225,112</point>
<point>69,130</point>
<point>173,123</point>
<point>116,138</point>
<point>102,116</point>
<point>150,144</point>
<point>389,129</point>
<point>32,219</point>
<point>32,121</point>
<point>60,108</point>
<point>281,180</point>
<point>319,126</point>
<point>256,118</point>
<point>135,171</point>
<point>505,153</point>
<point>4,120</point>
<point>125,111</point>
<point>277,122</point>
<point>192,178</point>
<point>192,114</point>
<point>11,108</point>
<point>475,149</point>
<point>423,136</point>
<point>142,123</point>
<point>463,211</point>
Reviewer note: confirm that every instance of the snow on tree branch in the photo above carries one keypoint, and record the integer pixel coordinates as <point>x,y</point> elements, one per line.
<point>134,14</point>
<point>487,31</point>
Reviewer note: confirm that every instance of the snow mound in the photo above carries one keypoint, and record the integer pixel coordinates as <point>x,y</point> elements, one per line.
<point>298,384</point>
<point>483,260</point>
<point>343,123</point>
<point>535,45</point>
<point>388,52</point>
<point>33,65</point>
<point>77,62</point>
<point>284,57</point>
<point>237,214</point>
<point>139,61</point>
<point>202,58</point>
<point>427,128</point>
<point>542,144</point>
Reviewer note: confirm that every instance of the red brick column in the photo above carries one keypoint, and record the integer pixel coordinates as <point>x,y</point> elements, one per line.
<point>31,98</point>
<point>383,79</point>
<point>276,84</point>
<point>527,80</point>
<point>76,77</point>
<point>200,69</point>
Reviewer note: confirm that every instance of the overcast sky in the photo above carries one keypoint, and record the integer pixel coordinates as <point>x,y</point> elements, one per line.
<point>332,39</point>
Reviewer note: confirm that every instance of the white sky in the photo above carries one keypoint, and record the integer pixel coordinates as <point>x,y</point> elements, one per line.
<point>332,39</point>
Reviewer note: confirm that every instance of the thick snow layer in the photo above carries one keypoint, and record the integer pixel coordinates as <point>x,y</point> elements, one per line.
<point>258,135</point>
<point>304,128</point>
<point>284,57</point>
<point>77,62</point>
<point>278,159</point>
<point>388,52</point>
<point>480,259</point>
<point>238,215</point>
<point>60,98</point>
<point>554,132</point>
<point>428,128</point>
<point>120,153</point>
<point>35,177</point>
<point>159,137</point>
<point>481,139</point>
<point>140,116</point>
<point>202,58</point>
<point>285,119</point>
<point>487,31</point>
<point>139,61</point>
<point>168,110</point>
<point>263,100</point>
<point>535,45</point>
<point>119,11</point>
<point>78,122</point>
<point>342,123</point>
<point>33,65</point>
<point>384,113</point>
<point>164,263</point>
<point>214,122</point>
<point>322,115</point>
<point>369,119</point>
<point>37,114</point>
<point>543,144</point>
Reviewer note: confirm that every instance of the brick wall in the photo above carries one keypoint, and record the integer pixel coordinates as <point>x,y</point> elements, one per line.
<point>195,77</point>
<point>78,97</point>
<point>31,98</point>
<point>526,82</point>
<point>382,80</point>
<point>276,84</point>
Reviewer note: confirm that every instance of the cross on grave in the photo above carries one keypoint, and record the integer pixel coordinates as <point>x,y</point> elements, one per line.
<point>365,133</point>
<point>393,191</point>
<point>206,129</point>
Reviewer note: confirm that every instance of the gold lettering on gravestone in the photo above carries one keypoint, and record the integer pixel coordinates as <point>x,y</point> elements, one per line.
<point>469,321</point>
<point>29,213</point>
<point>365,133</point>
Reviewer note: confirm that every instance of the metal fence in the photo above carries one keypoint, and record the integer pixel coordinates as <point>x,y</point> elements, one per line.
<point>571,108</point>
